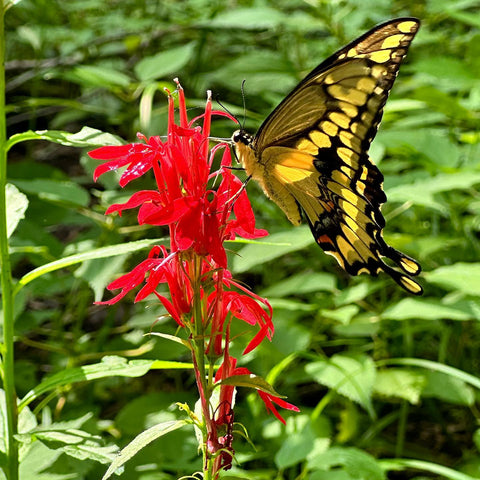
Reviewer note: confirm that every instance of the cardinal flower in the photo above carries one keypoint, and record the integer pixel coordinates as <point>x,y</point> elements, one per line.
<point>202,208</point>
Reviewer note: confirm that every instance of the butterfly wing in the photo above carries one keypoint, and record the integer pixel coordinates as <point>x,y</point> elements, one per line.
<point>310,154</point>
<point>356,79</point>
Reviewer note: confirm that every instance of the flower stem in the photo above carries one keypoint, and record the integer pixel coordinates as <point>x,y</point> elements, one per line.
<point>7,370</point>
<point>198,354</point>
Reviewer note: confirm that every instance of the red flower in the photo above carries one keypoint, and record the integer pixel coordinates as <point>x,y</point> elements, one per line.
<point>228,369</point>
<point>157,270</point>
<point>269,400</point>
<point>199,218</point>
<point>202,209</point>
<point>140,158</point>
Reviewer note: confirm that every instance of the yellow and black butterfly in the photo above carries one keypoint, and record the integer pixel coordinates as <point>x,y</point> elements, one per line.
<point>311,154</point>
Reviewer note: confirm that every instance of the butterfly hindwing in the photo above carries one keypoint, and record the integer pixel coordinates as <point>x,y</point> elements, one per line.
<point>311,153</point>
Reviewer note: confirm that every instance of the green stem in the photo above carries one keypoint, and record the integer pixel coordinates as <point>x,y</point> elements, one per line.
<point>7,370</point>
<point>198,353</point>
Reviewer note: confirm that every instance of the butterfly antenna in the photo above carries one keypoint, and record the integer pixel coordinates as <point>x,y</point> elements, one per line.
<point>244,104</point>
<point>217,99</point>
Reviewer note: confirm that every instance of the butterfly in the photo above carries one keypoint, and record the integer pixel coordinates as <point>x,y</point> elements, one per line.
<point>310,155</point>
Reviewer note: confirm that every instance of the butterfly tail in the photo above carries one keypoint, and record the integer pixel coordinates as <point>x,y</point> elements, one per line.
<point>406,263</point>
<point>407,283</point>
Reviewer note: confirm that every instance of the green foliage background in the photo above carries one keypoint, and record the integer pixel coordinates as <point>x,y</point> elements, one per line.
<point>388,385</point>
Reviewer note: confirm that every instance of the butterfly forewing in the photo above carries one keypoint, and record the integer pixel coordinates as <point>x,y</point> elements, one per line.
<point>311,154</point>
<point>342,84</point>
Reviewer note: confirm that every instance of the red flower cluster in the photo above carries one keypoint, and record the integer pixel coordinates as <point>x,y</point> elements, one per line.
<point>200,219</point>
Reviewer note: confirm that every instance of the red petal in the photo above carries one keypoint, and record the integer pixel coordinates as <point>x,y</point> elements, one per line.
<point>135,200</point>
<point>110,151</point>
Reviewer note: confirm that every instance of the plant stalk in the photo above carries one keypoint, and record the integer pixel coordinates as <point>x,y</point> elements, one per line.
<point>203,385</point>
<point>7,370</point>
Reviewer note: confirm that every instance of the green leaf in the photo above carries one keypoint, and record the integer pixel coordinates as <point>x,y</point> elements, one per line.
<point>307,282</point>
<point>95,76</point>
<point>461,276</point>
<point>96,453</point>
<point>263,70</point>
<point>292,305</point>
<point>141,441</point>
<point>103,252</point>
<point>76,423</point>
<point>75,443</point>
<point>86,137</point>
<point>36,462</point>
<point>448,388</point>
<point>431,143</point>
<point>290,240</point>
<point>349,424</point>
<point>60,192</point>
<point>356,293</point>
<point>109,366</point>
<point>437,147</point>
<point>359,326</point>
<point>352,376</point>
<point>447,72</point>
<point>26,422</point>
<point>343,314</point>
<point>430,186</point>
<point>400,383</point>
<point>402,464</point>
<point>413,308</point>
<point>172,338</point>
<point>337,474</point>
<point>146,410</point>
<point>99,272</point>
<point>442,102</point>
<point>358,464</point>
<point>436,367</point>
<point>250,381</point>
<point>52,437</point>
<point>30,35</point>
<point>248,18</point>
<point>17,204</point>
<point>170,61</point>
<point>298,442</point>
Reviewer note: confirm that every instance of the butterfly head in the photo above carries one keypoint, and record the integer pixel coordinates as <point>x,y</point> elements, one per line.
<point>245,151</point>
<point>241,136</point>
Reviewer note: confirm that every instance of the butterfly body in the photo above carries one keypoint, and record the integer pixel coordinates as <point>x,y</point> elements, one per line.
<point>310,156</point>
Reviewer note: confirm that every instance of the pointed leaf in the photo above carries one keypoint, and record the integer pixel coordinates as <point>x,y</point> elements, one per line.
<point>357,463</point>
<point>110,251</point>
<point>413,308</point>
<point>250,381</point>
<point>352,376</point>
<point>17,204</point>
<point>172,338</point>
<point>110,366</point>
<point>141,441</point>
<point>86,137</point>
<point>440,471</point>
<point>436,367</point>
<point>400,383</point>
<point>56,191</point>
<point>170,61</point>
<point>92,452</point>
<point>461,276</point>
